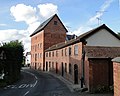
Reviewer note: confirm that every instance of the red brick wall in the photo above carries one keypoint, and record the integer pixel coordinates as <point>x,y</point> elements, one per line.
<point>73,59</point>
<point>116,71</point>
<point>52,34</point>
<point>37,48</point>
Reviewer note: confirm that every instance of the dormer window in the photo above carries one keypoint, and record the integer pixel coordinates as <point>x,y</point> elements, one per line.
<point>55,22</point>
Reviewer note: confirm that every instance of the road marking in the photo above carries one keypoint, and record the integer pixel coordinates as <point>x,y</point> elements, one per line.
<point>22,86</point>
<point>34,76</point>
<point>35,83</point>
<point>26,93</point>
<point>31,74</point>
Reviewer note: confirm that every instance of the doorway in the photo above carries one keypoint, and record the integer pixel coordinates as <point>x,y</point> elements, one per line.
<point>62,69</point>
<point>46,66</point>
<point>75,74</point>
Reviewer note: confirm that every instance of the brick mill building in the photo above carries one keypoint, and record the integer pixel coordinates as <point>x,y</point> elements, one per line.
<point>85,59</point>
<point>50,32</point>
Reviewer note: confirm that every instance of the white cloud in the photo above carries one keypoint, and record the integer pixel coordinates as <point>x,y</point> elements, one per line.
<point>3,24</point>
<point>23,12</point>
<point>13,34</point>
<point>81,30</point>
<point>32,17</point>
<point>46,10</point>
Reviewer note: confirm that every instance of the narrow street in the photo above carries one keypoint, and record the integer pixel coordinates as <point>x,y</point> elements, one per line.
<point>35,83</point>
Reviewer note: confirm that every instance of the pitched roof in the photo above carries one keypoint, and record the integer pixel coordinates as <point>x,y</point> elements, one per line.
<point>102,52</point>
<point>62,45</point>
<point>81,38</point>
<point>93,31</point>
<point>44,24</point>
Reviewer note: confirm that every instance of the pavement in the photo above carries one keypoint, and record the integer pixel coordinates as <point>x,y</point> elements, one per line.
<point>77,88</point>
<point>72,87</point>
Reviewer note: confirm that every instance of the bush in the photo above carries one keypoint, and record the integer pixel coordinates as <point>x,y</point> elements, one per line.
<point>2,83</point>
<point>12,62</point>
<point>102,89</point>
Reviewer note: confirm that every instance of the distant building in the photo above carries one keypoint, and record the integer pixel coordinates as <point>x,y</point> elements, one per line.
<point>28,58</point>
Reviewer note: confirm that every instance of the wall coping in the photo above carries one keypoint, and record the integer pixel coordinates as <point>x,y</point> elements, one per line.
<point>117,59</point>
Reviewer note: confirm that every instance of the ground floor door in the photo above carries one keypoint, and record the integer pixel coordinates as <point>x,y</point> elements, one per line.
<point>56,67</point>
<point>62,69</point>
<point>75,74</point>
<point>46,66</point>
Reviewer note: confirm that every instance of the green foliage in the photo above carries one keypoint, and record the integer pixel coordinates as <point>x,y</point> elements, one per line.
<point>102,89</point>
<point>14,58</point>
<point>2,83</point>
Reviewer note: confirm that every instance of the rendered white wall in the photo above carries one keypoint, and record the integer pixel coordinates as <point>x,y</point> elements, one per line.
<point>103,38</point>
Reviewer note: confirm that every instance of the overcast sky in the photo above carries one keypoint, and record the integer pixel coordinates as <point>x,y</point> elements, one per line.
<point>19,18</point>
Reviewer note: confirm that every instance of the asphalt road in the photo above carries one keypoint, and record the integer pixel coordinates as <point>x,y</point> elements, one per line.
<point>35,83</point>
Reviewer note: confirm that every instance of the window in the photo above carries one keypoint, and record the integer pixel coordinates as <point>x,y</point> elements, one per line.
<point>40,45</point>
<point>56,53</point>
<point>53,54</point>
<point>46,54</point>
<point>62,52</point>
<point>38,55</point>
<point>49,54</point>
<point>35,47</point>
<point>55,22</point>
<point>50,64</point>
<point>65,51</point>
<point>66,67</point>
<point>53,65</point>
<point>69,51</point>
<point>70,69</point>
<point>76,49</point>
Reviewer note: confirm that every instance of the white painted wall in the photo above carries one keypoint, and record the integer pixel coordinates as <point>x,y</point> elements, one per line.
<point>28,59</point>
<point>103,38</point>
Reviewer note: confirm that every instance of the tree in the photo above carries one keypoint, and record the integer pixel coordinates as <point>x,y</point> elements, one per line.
<point>14,57</point>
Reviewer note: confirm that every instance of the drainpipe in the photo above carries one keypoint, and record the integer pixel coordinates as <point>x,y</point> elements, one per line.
<point>83,62</point>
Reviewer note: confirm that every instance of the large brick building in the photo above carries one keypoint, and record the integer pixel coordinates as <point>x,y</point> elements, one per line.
<point>50,32</point>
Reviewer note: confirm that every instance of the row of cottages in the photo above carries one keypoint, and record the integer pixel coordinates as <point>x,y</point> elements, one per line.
<point>85,59</point>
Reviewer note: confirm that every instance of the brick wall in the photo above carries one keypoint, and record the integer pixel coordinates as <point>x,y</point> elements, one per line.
<point>65,59</point>
<point>52,34</point>
<point>116,73</point>
<point>100,73</point>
